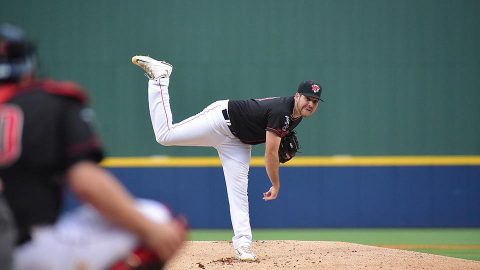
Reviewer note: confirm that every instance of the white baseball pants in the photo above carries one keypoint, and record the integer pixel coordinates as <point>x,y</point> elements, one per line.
<point>83,238</point>
<point>208,128</point>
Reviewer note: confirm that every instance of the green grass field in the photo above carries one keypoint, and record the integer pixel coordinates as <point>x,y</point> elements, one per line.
<point>458,243</point>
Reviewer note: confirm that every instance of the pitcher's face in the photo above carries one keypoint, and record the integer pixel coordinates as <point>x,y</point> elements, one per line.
<point>304,106</point>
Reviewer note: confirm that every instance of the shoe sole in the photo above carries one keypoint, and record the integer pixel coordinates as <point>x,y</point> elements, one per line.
<point>135,61</point>
<point>247,260</point>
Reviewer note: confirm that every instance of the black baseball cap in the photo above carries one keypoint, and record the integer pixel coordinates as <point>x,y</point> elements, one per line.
<point>310,89</point>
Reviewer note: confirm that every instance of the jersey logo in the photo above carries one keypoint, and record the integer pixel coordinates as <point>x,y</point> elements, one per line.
<point>11,125</point>
<point>286,124</point>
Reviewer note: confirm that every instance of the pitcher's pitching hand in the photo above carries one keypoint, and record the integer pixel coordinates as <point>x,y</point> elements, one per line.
<point>271,194</point>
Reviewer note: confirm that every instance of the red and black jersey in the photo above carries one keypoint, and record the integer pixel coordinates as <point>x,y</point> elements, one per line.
<point>45,127</point>
<point>251,118</point>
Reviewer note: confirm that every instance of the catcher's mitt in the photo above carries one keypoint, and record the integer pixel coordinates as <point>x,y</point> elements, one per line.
<point>288,147</point>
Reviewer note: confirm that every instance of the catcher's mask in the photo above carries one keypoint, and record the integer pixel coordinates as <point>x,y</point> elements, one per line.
<point>17,54</point>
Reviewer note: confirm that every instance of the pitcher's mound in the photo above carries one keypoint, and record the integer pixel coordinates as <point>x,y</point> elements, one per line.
<point>273,255</point>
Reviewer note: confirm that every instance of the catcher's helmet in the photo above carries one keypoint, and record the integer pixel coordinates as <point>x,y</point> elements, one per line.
<point>17,54</point>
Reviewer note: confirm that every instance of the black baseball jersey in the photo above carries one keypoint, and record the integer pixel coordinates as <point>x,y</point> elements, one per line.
<point>251,118</point>
<point>44,129</point>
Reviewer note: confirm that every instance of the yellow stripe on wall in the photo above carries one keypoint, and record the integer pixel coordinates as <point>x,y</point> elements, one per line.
<point>313,161</point>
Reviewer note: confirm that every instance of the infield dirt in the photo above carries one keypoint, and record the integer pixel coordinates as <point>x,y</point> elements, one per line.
<point>274,255</point>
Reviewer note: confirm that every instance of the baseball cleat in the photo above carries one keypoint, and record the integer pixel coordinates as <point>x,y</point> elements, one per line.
<point>245,253</point>
<point>154,69</point>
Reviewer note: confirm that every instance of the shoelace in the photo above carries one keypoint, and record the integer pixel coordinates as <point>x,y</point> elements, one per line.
<point>149,73</point>
<point>148,76</point>
<point>246,249</point>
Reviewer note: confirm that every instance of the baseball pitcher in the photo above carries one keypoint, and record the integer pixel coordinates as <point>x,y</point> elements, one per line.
<point>232,127</point>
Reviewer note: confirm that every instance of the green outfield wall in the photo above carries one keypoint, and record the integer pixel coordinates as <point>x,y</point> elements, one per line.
<point>399,77</point>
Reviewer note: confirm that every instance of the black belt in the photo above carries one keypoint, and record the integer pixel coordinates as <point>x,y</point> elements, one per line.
<point>227,118</point>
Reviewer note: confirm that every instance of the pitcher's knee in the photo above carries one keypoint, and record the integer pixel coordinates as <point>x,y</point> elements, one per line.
<point>164,141</point>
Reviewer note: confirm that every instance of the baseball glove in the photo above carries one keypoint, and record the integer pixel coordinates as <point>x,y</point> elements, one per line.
<point>288,147</point>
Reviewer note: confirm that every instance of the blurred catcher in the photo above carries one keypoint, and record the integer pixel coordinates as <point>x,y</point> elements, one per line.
<point>48,145</point>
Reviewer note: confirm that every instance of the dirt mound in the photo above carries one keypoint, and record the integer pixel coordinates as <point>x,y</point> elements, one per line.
<point>274,255</point>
